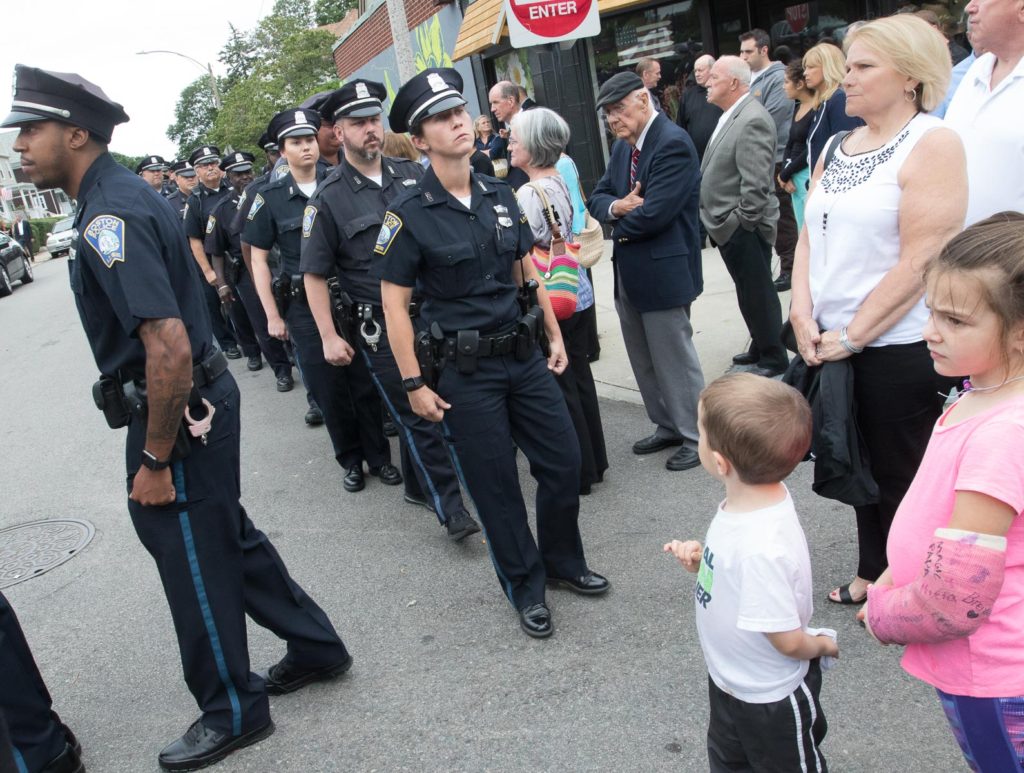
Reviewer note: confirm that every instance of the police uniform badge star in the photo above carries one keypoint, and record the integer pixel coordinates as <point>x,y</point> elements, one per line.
<point>436,83</point>
<point>388,231</point>
<point>361,91</point>
<point>211,224</point>
<point>241,200</point>
<point>105,234</point>
<point>308,216</point>
<point>257,203</point>
<point>502,212</point>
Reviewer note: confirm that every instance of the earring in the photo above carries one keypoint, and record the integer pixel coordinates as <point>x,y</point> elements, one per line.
<point>910,96</point>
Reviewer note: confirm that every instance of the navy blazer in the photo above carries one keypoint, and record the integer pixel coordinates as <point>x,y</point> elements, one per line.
<point>656,247</point>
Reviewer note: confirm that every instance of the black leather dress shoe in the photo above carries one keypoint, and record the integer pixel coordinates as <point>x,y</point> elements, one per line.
<point>536,621</point>
<point>461,525</point>
<point>683,459</point>
<point>654,443</point>
<point>201,746</point>
<point>743,358</point>
<point>286,677</point>
<point>390,430</point>
<point>783,283</point>
<point>388,474</point>
<point>590,584</point>
<point>354,479</point>
<point>255,362</point>
<point>314,416</point>
<point>285,383</point>
<point>233,353</point>
<point>766,372</point>
<point>68,761</point>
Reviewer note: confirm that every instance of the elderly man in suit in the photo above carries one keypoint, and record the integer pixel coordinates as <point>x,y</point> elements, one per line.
<point>649,196</point>
<point>739,209</point>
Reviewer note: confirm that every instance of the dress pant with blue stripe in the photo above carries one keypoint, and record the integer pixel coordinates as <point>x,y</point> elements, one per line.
<point>216,568</point>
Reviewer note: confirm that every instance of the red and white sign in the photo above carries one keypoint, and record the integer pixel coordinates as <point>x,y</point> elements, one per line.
<point>533,22</point>
<point>798,16</point>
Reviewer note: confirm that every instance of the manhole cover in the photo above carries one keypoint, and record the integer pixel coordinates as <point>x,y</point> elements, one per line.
<point>31,549</point>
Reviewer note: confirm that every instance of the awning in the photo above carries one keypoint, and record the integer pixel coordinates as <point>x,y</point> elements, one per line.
<point>484,24</point>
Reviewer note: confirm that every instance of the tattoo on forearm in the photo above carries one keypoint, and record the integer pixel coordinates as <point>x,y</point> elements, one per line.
<point>168,377</point>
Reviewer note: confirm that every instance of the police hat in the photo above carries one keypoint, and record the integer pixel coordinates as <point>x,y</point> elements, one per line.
<point>204,155</point>
<point>316,102</point>
<point>240,161</point>
<point>430,92</point>
<point>41,95</point>
<point>266,143</point>
<point>358,99</point>
<point>296,122</point>
<point>618,87</point>
<point>151,164</point>
<point>183,168</point>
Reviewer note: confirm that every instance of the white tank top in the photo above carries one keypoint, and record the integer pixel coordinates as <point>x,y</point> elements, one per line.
<point>852,221</point>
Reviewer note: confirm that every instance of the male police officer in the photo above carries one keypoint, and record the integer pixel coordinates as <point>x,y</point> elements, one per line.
<point>329,144</point>
<point>138,294</point>
<point>151,169</point>
<point>462,238</point>
<point>350,406</point>
<point>185,180</point>
<point>339,228</point>
<point>234,284</point>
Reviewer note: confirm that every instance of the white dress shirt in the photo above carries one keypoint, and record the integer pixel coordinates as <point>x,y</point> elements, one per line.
<point>725,117</point>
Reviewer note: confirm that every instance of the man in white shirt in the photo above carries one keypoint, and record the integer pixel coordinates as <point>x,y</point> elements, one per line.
<point>988,110</point>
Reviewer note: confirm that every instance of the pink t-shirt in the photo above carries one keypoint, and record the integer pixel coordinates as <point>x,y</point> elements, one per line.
<point>984,454</point>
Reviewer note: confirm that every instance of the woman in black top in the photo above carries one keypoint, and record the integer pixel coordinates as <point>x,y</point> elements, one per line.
<point>795,174</point>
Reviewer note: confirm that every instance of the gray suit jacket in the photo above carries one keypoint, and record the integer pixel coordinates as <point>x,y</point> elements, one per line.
<point>737,189</point>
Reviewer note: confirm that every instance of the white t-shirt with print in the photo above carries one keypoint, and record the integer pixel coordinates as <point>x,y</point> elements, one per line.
<point>754,578</point>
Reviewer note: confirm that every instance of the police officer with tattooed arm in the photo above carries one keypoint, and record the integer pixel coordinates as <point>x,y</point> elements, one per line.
<point>139,295</point>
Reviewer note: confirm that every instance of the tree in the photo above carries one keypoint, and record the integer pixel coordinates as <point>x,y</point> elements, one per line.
<point>194,116</point>
<point>239,56</point>
<point>330,11</point>
<point>129,162</point>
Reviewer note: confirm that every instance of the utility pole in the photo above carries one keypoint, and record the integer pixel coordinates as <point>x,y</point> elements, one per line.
<point>400,36</point>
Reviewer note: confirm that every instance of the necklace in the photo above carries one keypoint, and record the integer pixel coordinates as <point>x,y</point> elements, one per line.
<point>969,387</point>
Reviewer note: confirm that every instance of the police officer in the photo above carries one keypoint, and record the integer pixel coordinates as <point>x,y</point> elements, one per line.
<point>233,281</point>
<point>137,289</point>
<point>350,406</point>
<point>39,740</point>
<point>330,146</point>
<point>270,150</point>
<point>204,197</point>
<point>461,238</point>
<point>151,169</point>
<point>184,180</point>
<point>339,228</point>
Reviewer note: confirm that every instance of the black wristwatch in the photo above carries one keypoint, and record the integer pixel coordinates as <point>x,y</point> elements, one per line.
<point>414,383</point>
<point>150,461</point>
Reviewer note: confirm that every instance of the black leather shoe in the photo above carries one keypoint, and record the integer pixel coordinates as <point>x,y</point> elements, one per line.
<point>766,372</point>
<point>783,283</point>
<point>354,480</point>
<point>654,443</point>
<point>286,677</point>
<point>590,584</point>
<point>536,621</point>
<point>233,353</point>
<point>201,746</point>
<point>314,416</point>
<point>68,761</point>
<point>412,499</point>
<point>285,383</point>
<point>683,459</point>
<point>743,358</point>
<point>461,525</point>
<point>388,474</point>
<point>255,362</point>
<point>390,430</point>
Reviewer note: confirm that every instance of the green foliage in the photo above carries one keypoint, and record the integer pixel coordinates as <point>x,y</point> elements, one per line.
<point>41,227</point>
<point>129,162</point>
<point>194,116</point>
<point>330,11</point>
<point>239,55</point>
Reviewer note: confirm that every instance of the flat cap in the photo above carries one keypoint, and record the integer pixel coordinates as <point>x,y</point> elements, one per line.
<point>183,168</point>
<point>41,95</point>
<point>428,93</point>
<point>239,161</point>
<point>618,87</point>
<point>358,99</point>
<point>294,122</point>
<point>151,163</point>
<point>204,155</point>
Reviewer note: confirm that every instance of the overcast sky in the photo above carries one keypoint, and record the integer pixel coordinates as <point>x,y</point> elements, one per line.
<point>99,41</point>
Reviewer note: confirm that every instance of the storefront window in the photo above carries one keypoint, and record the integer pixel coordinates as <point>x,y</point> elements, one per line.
<point>668,33</point>
<point>799,26</point>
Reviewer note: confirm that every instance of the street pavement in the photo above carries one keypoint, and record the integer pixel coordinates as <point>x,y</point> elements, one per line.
<point>443,679</point>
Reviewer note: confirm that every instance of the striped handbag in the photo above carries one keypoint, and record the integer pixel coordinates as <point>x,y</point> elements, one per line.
<point>558,265</point>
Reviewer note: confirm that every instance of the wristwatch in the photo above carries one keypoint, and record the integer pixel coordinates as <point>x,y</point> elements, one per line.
<point>414,383</point>
<point>150,461</point>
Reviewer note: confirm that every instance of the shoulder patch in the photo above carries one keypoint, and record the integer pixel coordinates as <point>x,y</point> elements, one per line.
<point>388,231</point>
<point>105,234</point>
<point>257,202</point>
<point>308,216</point>
<point>211,223</point>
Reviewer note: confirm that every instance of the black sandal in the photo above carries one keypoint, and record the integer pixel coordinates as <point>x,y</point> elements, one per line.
<point>845,597</point>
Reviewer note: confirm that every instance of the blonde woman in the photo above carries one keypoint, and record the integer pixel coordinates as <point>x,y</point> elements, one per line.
<point>824,70</point>
<point>484,134</point>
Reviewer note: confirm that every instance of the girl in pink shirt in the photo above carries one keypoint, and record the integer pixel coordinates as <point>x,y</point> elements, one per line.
<point>954,589</point>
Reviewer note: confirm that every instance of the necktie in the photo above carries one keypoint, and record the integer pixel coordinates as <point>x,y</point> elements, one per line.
<point>634,163</point>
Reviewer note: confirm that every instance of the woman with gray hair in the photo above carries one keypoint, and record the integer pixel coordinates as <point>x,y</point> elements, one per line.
<point>537,140</point>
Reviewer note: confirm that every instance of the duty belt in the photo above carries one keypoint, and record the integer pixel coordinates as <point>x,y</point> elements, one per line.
<point>494,345</point>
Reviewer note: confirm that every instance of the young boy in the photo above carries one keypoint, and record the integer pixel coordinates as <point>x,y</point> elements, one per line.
<point>753,594</point>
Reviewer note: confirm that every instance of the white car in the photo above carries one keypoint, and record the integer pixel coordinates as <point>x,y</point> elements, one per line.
<point>59,241</point>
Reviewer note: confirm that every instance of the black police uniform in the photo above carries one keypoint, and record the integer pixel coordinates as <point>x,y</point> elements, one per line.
<point>132,264</point>
<point>221,242</point>
<point>350,405</point>
<point>178,200</point>
<point>461,260</point>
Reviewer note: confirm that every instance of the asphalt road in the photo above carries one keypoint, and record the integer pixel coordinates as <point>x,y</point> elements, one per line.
<point>443,679</point>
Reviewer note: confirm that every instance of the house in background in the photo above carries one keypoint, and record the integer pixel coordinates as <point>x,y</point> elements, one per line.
<point>17,194</point>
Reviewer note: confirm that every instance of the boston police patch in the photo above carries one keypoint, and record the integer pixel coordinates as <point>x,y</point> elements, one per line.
<point>256,204</point>
<point>211,223</point>
<point>388,231</point>
<point>308,216</point>
<point>105,234</point>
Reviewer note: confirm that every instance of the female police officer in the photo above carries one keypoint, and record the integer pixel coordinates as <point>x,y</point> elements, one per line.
<point>460,237</point>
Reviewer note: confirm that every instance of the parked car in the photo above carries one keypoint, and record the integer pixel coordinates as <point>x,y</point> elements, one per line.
<point>14,265</point>
<point>59,241</point>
